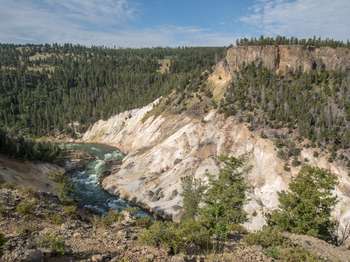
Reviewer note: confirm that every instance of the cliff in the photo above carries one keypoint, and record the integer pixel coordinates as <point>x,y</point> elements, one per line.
<point>289,58</point>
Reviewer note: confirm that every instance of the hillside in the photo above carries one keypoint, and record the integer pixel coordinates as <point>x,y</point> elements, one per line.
<point>182,134</point>
<point>50,89</point>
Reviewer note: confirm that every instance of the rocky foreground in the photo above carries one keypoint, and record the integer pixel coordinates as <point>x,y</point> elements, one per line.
<point>39,227</point>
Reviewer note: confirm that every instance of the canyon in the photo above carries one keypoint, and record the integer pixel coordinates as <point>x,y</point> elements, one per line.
<point>163,148</point>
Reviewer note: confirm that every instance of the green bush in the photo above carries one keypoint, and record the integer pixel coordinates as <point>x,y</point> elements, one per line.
<point>159,234</point>
<point>296,254</point>
<point>26,228</point>
<point>70,210</point>
<point>267,237</point>
<point>56,219</point>
<point>2,242</point>
<point>64,186</point>
<point>54,242</point>
<point>108,219</point>
<point>192,237</point>
<point>26,207</point>
<point>306,208</point>
<point>187,237</point>
<point>277,246</point>
<point>144,221</point>
<point>2,210</point>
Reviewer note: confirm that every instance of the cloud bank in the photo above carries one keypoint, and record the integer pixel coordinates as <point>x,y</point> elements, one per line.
<point>301,18</point>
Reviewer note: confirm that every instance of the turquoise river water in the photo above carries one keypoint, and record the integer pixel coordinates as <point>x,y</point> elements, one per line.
<point>86,187</point>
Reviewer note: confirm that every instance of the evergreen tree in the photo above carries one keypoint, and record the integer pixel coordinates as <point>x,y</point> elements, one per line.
<point>224,200</point>
<point>307,207</point>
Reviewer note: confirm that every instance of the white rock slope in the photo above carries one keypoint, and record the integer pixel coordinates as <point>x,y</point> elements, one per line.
<point>162,150</point>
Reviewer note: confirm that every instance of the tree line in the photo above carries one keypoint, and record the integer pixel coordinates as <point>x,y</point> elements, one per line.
<point>282,40</point>
<point>28,149</point>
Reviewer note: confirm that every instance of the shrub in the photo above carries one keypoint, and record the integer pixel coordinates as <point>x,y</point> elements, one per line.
<point>56,219</point>
<point>286,167</point>
<point>277,246</point>
<point>192,195</point>
<point>2,210</point>
<point>26,228</point>
<point>144,221</point>
<point>64,186</point>
<point>296,254</point>
<point>306,209</point>
<point>26,207</point>
<point>159,234</point>
<point>53,242</point>
<point>192,237</point>
<point>7,185</point>
<point>70,210</point>
<point>188,237</point>
<point>267,237</point>
<point>2,242</point>
<point>28,191</point>
<point>108,219</point>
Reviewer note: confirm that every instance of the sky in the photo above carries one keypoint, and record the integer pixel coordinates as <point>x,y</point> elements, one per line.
<point>149,23</point>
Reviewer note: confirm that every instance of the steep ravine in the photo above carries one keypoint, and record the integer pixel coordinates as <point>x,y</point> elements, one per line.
<point>162,149</point>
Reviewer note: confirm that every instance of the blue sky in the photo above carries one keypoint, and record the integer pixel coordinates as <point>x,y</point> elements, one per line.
<point>139,23</point>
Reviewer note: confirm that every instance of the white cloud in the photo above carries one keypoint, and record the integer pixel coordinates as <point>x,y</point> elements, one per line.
<point>93,22</point>
<point>302,18</point>
<point>94,11</point>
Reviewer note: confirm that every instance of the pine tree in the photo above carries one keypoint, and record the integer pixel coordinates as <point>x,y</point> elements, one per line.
<point>306,208</point>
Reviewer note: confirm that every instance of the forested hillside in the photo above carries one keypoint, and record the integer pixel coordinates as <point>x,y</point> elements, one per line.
<point>315,104</point>
<point>48,88</point>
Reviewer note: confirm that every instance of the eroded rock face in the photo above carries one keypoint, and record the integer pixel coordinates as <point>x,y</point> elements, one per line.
<point>164,149</point>
<point>286,58</point>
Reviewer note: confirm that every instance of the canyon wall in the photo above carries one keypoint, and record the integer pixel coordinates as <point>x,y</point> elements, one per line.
<point>285,58</point>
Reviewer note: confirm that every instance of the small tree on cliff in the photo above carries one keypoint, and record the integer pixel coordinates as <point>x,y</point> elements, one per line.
<point>306,208</point>
<point>224,200</point>
<point>192,194</point>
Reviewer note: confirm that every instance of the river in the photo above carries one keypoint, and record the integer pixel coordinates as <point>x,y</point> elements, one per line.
<point>87,190</point>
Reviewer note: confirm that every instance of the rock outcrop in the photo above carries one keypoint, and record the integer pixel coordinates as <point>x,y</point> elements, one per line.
<point>280,59</point>
<point>162,149</point>
<point>285,58</point>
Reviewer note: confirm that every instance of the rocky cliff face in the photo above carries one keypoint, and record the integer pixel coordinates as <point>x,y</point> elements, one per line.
<point>289,58</point>
<point>163,149</point>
